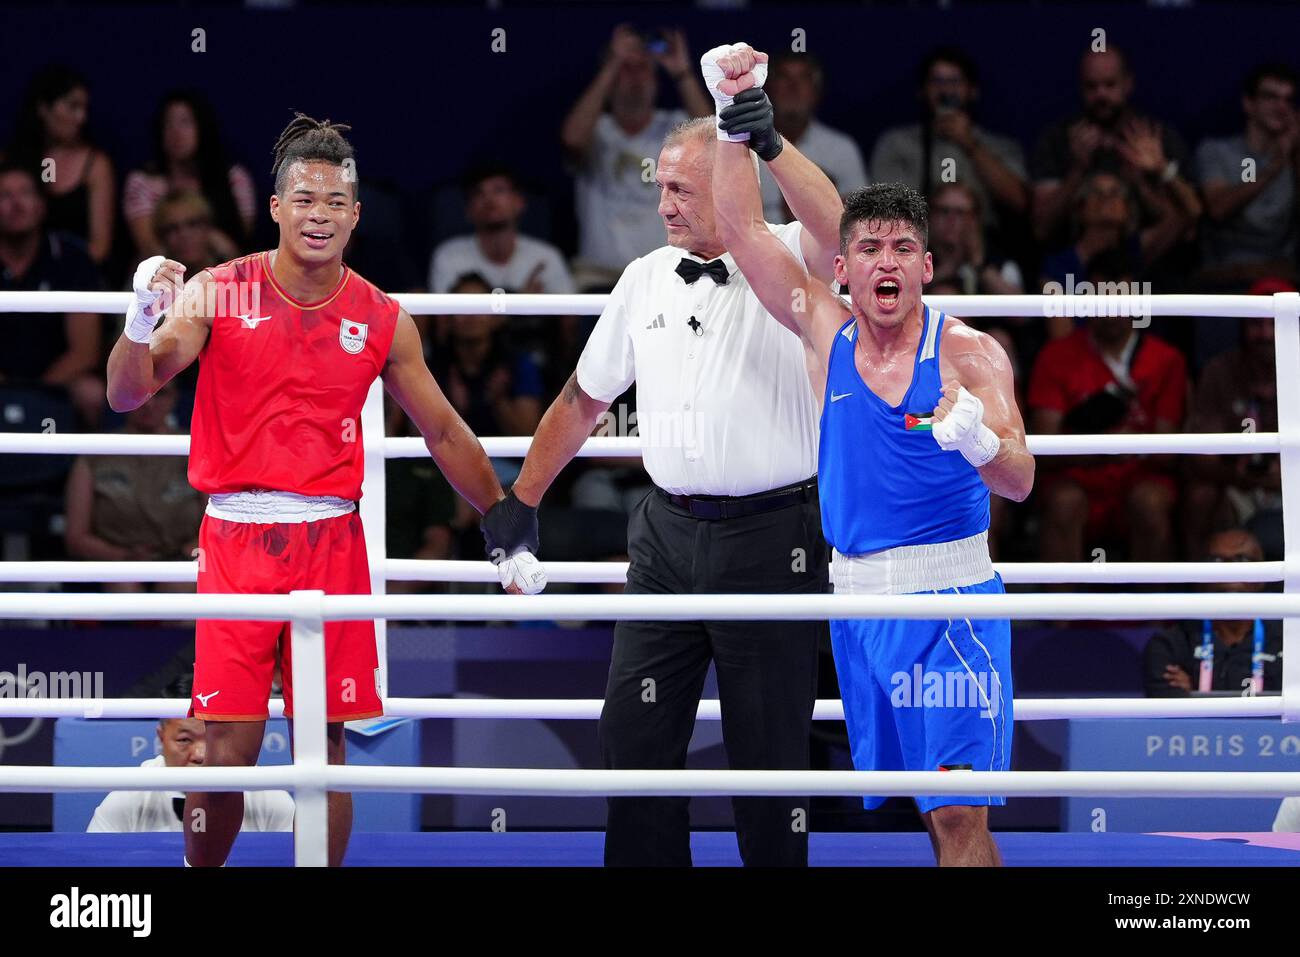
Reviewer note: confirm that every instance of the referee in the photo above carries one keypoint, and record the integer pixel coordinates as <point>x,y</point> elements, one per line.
<point>729,436</point>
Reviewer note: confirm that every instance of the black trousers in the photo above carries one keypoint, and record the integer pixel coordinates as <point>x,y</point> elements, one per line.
<point>767,676</point>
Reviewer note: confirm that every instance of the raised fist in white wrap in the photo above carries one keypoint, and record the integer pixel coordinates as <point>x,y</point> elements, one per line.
<point>728,70</point>
<point>959,426</point>
<point>157,284</point>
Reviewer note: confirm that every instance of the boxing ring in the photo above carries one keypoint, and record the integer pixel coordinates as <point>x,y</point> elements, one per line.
<point>309,777</point>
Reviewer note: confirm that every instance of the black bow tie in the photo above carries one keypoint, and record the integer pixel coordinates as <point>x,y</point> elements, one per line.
<point>690,271</point>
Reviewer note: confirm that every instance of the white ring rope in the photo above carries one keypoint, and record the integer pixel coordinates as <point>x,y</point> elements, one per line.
<point>549,304</point>
<point>570,782</point>
<point>1119,606</point>
<point>576,573</point>
<point>588,709</point>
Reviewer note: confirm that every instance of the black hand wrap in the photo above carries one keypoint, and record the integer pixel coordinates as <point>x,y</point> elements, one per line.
<point>751,112</point>
<point>509,526</point>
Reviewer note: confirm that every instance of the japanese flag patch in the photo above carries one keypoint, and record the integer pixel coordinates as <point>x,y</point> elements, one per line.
<point>352,336</point>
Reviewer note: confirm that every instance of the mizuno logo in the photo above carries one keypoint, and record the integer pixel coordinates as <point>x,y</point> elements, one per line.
<point>658,323</point>
<point>836,396</point>
<point>250,321</point>
<point>205,698</point>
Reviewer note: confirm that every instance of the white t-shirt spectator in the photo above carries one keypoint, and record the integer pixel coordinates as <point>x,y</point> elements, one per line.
<point>461,254</point>
<point>899,158</point>
<point>127,812</point>
<point>616,194</point>
<point>834,152</point>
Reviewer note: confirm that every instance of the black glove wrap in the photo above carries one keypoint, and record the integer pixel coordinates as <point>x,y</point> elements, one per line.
<point>509,526</point>
<point>751,112</point>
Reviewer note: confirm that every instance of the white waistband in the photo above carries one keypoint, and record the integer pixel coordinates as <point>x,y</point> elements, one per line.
<point>267,507</point>
<point>908,569</point>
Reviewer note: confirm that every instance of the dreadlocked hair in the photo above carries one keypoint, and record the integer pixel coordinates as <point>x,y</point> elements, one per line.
<point>306,139</point>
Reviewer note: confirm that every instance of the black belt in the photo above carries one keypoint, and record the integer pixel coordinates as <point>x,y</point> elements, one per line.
<point>715,507</point>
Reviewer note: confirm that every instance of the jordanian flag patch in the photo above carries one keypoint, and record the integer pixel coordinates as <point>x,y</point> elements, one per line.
<point>918,423</point>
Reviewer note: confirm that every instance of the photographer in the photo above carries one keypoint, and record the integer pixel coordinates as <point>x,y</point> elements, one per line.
<point>948,146</point>
<point>609,136</point>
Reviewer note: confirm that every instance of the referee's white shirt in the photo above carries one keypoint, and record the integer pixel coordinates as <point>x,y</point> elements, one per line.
<point>726,412</point>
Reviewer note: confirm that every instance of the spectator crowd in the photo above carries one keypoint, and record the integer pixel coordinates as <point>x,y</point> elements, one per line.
<point>1106,194</point>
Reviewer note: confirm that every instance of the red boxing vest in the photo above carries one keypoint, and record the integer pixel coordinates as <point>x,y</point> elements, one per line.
<point>281,383</point>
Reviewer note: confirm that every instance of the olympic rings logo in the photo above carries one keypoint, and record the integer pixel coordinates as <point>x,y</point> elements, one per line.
<point>34,724</point>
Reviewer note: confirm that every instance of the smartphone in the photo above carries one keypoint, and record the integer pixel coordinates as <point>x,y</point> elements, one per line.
<point>655,41</point>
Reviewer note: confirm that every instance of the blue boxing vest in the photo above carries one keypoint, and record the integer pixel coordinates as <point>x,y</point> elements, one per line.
<point>883,479</point>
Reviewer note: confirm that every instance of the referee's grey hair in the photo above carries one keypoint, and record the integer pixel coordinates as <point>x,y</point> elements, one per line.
<point>702,130</point>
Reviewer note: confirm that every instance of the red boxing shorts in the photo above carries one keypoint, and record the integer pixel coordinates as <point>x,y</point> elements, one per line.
<point>235,660</point>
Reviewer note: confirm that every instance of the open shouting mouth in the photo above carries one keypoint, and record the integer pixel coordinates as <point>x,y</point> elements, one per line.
<point>887,292</point>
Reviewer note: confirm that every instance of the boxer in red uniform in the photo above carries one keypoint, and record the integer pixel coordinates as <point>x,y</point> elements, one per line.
<point>290,341</point>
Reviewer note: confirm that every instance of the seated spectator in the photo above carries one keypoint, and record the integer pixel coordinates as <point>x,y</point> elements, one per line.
<point>1250,228</point>
<point>1109,136</point>
<point>1105,220</point>
<point>188,155</point>
<point>1106,377</point>
<point>613,153</point>
<point>961,253</point>
<point>1237,392</point>
<point>496,391</point>
<point>182,744</point>
<point>135,508</point>
<point>795,83</point>
<point>947,145</point>
<point>58,351</point>
<point>1244,657</point>
<point>496,250</point>
<point>76,176</point>
<point>182,221</point>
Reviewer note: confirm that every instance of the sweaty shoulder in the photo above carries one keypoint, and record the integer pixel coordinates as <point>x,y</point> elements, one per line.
<point>967,349</point>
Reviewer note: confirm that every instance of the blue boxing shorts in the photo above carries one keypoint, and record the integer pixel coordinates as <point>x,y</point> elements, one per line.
<point>927,695</point>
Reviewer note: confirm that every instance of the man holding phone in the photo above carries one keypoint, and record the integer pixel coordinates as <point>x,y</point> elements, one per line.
<point>947,146</point>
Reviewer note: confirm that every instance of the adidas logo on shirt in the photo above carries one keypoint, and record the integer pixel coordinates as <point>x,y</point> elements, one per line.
<point>658,323</point>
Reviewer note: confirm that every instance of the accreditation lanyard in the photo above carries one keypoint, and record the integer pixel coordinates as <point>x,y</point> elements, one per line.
<point>1206,654</point>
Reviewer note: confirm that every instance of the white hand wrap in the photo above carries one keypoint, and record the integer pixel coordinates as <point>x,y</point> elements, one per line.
<point>139,324</point>
<point>523,570</point>
<point>713,77</point>
<point>963,430</point>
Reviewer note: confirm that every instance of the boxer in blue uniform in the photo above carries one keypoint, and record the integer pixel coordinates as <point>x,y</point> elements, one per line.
<point>919,424</point>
